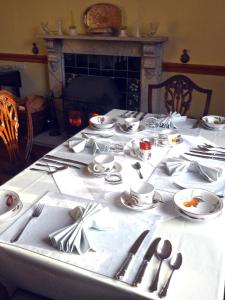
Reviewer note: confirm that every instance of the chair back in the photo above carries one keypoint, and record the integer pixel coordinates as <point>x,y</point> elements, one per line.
<point>9,129</point>
<point>178,94</point>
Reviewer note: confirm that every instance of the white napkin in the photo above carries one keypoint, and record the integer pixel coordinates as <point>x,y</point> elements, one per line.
<point>74,238</point>
<point>176,166</point>
<point>169,121</point>
<point>105,147</point>
<point>77,145</point>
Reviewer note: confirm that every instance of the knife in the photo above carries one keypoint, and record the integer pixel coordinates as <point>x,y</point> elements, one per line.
<point>148,255</point>
<point>133,250</point>
<point>208,153</point>
<point>205,156</point>
<point>65,160</point>
<point>49,160</point>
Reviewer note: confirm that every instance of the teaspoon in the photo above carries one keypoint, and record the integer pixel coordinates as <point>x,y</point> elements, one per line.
<point>163,251</point>
<point>137,166</point>
<point>174,265</point>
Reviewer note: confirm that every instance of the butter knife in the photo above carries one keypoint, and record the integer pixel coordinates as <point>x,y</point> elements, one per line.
<point>133,250</point>
<point>65,160</point>
<point>148,255</point>
<point>205,156</point>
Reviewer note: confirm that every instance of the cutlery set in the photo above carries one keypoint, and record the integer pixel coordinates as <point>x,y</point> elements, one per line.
<point>162,249</point>
<point>133,114</point>
<point>208,151</point>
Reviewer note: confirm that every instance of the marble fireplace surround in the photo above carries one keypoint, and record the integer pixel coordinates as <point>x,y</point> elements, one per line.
<point>149,49</point>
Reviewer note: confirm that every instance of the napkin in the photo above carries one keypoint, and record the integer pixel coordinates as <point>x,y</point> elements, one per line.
<point>169,121</point>
<point>105,147</point>
<point>74,238</point>
<point>77,145</point>
<point>176,166</point>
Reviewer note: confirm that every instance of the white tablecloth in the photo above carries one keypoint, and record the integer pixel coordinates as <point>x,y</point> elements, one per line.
<point>32,263</point>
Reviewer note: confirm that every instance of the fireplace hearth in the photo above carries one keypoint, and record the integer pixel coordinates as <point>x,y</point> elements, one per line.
<point>86,96</point>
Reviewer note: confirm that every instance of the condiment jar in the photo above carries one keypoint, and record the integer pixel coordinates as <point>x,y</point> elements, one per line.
<point>145,149</point>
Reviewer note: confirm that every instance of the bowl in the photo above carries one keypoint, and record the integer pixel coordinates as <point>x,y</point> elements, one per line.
<point>214,122</point>
<point>102,122</point>
<point>198,203</point>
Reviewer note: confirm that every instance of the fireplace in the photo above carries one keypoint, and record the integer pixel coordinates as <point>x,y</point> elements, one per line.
<point>87,50</point>
<point>86,96</point>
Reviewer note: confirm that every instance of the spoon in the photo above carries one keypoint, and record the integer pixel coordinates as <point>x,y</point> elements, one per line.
<point>174,265</point>
<point>137,166</point>
<point>163,251</point>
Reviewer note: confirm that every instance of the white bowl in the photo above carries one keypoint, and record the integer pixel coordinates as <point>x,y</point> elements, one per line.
<point>215,122</point>
<point>102,122</point>
<point>209,205</point>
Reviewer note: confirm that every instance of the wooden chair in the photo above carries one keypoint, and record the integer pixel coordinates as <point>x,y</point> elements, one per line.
<point>178,94</point>
<point>17,141</point>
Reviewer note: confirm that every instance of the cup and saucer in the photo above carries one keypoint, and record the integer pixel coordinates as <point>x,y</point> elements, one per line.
<point>131,126</point>
<point>142,196</point>
<point>103,164</point>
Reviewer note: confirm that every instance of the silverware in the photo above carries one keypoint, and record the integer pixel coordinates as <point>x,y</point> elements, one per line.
<point>213,147</point>
<point>50,172</point>
<point>205,156</point>
<point>162,253</point>
<point>49,160</point>
<point>209,150</point>
<point>174,265</point>
<point>148,255</point>
<point>137,166</point>
<point>36,213</point>
<point>56,158</point>
<point>196,124</point>
<point>208,153</point>
<point>133,250</point>
<point>103,135</point>
<point>142,117</point>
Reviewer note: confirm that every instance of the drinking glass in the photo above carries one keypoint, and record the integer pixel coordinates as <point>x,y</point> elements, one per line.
<point>153,27</point>
<point>113,186</point>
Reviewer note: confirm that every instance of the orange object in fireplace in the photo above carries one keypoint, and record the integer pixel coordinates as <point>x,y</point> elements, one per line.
<point>75,118</point>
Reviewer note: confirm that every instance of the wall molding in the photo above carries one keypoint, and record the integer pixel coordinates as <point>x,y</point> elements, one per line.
<point>194,69</point>
<point>41,59</point>
<point>167,67</point>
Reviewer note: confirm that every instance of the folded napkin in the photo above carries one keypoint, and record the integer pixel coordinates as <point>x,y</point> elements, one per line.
<point>176,166</point>
<point>105,147</point>
<point>77,145</point>
<point>74,238</point>
<point>169,121</point>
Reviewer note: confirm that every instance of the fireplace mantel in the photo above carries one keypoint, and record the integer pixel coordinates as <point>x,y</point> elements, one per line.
<point>150,49</point>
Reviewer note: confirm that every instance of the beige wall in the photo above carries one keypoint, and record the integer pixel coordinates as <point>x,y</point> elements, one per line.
<point>196,25</point>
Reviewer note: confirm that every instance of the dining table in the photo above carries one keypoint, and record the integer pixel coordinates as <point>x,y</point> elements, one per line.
<point>34,263</point>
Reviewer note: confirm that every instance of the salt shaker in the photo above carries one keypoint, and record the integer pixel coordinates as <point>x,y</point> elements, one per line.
<point>145,149</point>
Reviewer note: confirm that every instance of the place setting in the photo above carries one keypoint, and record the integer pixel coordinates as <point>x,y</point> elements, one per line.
<point>141,196</point>
<point>130,126</point>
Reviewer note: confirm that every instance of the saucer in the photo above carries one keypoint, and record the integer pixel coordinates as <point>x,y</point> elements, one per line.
<point>124,130</point>
<point>100,129</point>
<point>125,197</point>
<point>10,204</point>
<point>116,168</point>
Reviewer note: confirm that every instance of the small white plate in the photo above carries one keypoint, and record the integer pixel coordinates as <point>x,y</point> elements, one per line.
<point>100,129</point>
<point>125,199</point>
<point>198,203</point>
<point>116,168</point>
<point>11,207</point>
<point>122,129</point>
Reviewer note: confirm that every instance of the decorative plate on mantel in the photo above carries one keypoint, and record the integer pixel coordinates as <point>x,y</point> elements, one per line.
<point>102,18</point>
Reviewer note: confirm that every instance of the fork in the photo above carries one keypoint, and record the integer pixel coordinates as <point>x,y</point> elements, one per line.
<point>36,213</point>
<point>213,147</point>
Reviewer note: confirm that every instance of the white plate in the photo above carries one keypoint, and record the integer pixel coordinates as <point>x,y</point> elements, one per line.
<point>122,129</point>
<point>207,205</point>
<point>116,168</point>
<point>197,219</point>
<point>100,129</point>
<point>191,180</point>
<point>12,208</point>
<point>124,198</point>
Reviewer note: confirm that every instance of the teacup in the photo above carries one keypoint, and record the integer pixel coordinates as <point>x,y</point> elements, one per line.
<point>131,124</point>
<point>103,162</point>
<point>174,137</point>
<point>143,192</point>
